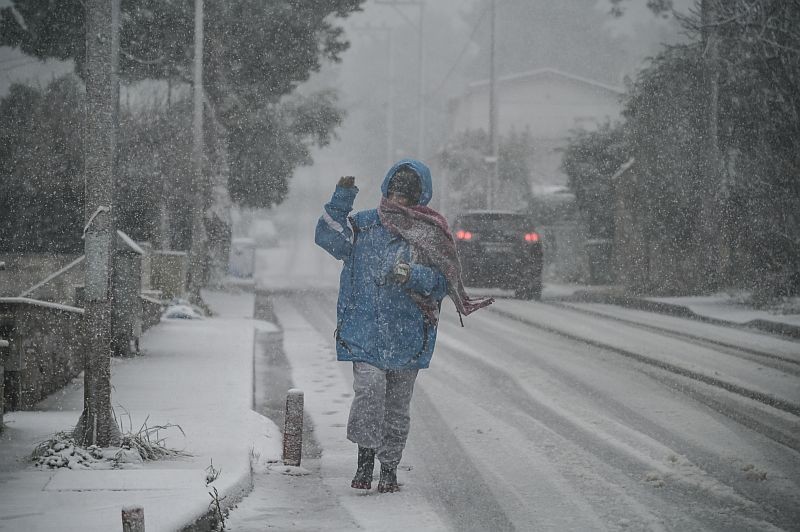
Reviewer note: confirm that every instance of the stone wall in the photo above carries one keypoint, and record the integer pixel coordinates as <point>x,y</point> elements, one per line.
<point>168,273</point>
<point>24,271</point>
<point>46,349</point>
<point>152,308</point>
<point>126,305</point>
<point>45,334</point>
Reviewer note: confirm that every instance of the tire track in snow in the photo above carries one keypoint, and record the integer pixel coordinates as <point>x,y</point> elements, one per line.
<point>536,473</point>
<point>502,336</point>
<point>711,462</point>
<point>778,426</point>
<point>454,481</point>
<point>457,482</point>
<point>616,454</point>
<point>778,362</point>
<point>767,399</point>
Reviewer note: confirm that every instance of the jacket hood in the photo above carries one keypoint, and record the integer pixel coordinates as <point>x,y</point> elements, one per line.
<point>421,169</point>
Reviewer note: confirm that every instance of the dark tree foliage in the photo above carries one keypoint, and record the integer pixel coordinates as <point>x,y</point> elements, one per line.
<point>45,29</point>
<point>589,161</point>
<point>659,7</point>
<point>41,162</point>
<point>270,44</point>
<point>665,122</point>
<point>41,168</point>
<point>513,170</point>
<point>255,53</point>
<point>464,160</point>
<point>758,133</point>
<point>266,146</point>
<point>154,166</point>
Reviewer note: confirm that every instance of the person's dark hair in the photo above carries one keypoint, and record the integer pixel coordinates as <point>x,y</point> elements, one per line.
<point>406,182</point>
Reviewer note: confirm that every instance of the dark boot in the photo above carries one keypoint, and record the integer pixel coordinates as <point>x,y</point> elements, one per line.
<point>388,481</point>
<point>366,463</point>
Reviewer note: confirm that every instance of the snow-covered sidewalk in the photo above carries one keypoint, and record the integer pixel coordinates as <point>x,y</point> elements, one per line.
<point>321,497</point>
<point>197,374</point>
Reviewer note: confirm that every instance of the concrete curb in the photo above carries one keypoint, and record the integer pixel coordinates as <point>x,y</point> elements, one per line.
<point>775,327</point>
<point>209,521</point>
<point>671,309</point>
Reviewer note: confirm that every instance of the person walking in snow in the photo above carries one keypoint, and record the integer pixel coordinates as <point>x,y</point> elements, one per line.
<point>399,262</point>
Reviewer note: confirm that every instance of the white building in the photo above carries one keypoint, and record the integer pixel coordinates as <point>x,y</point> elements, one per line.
<point>549,105</point>
<point>546,102</point>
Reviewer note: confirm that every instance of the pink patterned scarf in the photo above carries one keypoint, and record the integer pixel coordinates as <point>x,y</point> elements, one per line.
<point>427,233</point>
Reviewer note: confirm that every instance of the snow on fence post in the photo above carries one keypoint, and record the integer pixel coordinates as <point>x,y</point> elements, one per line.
<point>133,519</point>
<point>293,428</point>
<point>4,345</point>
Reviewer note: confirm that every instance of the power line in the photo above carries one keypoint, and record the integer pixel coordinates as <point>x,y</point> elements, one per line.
<point>463,51</point>
<point>420,4</point>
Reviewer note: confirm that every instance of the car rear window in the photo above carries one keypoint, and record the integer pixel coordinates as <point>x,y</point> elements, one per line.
<point>495,222</point>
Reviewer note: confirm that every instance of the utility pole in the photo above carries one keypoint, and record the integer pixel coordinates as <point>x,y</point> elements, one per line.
<point>390,103</point>
<point>96,424</point>
<point>164,236</point>
<point>420,66</point>
<point>115,7</point>
<point>199,244</point>
<point>492,159</point>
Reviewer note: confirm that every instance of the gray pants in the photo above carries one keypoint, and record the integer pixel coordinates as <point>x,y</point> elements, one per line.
<point>379,417</point>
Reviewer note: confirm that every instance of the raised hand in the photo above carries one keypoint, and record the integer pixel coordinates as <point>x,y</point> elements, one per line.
<point>347,181</point>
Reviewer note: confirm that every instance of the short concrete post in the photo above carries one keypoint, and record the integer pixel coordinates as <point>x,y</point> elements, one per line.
<point>3,347</point>
<point>293,428</point>
<point>133,519</point>
<point>2,394</point>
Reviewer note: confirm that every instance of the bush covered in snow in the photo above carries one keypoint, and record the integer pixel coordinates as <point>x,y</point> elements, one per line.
<point>146,444</point>
<point>180,309</point>
<point>61,450</point>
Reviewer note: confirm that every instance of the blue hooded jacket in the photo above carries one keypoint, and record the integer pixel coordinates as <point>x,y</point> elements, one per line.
<point>377,321</point>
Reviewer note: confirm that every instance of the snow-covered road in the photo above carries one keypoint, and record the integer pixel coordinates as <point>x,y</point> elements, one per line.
<point>563,417</point>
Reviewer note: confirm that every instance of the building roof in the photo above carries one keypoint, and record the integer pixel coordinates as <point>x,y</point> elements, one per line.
<point>540,72</point>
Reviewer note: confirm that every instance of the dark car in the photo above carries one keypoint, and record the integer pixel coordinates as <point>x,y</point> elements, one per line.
<point>500,250</point>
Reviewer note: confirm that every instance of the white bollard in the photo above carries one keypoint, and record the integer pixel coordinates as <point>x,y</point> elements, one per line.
<point>293,428</point>
<point>133,519</point>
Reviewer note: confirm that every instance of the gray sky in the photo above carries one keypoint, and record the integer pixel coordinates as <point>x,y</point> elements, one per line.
<point>453,58</point>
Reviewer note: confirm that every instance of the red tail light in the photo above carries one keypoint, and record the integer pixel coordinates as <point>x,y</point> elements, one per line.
<point>531,237</point>
<point>463,235</point>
